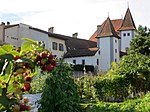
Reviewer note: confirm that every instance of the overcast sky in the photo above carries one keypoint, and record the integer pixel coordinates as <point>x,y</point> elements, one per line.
<point>70,16</point>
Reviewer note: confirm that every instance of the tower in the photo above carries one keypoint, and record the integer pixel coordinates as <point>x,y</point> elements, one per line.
<point>127,31</point>
<point>108,44</point>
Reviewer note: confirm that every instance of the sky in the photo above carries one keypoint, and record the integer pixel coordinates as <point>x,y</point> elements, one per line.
<point>71,16</point>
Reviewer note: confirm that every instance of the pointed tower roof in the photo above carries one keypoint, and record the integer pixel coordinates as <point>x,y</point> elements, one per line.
<point>107,29</point>
<point>128,23</point>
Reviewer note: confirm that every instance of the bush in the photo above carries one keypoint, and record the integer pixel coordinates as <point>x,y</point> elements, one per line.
<point>137,105</point>
<point>38,83</point>
<point>111,88</point>
<point>86,88</point>
<point>60,92</point>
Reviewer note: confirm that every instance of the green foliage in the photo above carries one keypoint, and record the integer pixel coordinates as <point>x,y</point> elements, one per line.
<point>140,44</point>
<point>111,88</point>
<point>17,67</point>
<point>86,88</point>
<point>138,105</point>
<point>38,83</point>
<point>60,91</point>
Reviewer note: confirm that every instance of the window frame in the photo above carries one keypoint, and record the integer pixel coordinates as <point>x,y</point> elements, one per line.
<point>61,47</point>
<point>54,45</point>
<point>83,61</point>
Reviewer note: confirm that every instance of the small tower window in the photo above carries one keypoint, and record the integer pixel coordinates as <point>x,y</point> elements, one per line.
<point>128,34</point>
<point>115,50</point>
<point>126,49</point>
<point>115,41</point>
<point>99,52</point>
<point>124,34</point>
<point>97,61</point>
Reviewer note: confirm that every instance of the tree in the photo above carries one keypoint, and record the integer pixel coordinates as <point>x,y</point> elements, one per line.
<point>141,43</point>
<point>136,65</point>
<point>60,91</point>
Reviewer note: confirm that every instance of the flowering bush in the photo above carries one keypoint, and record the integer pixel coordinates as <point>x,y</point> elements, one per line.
<point>17,67</point>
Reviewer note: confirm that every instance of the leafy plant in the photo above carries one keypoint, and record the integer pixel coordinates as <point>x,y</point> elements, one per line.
<point>17,67</point>
<point>86,88</point>
<point>60,91</point>
<point>137,105</point>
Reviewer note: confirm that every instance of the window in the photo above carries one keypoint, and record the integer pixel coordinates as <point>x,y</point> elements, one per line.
<point>115,50</point>
<point>126,49</point>
<point>124,34</point>
<point>115,41</point>
<point>115,60</point>
<point>74,61</point>
<point>99,52</point>
<point>128,34</point>
<point>83,62</point>
<point>54,46</point>
<point>97,61</point>
<point>61,47</point>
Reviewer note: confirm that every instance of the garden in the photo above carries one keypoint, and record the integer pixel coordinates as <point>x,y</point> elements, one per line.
<point>32,69</point>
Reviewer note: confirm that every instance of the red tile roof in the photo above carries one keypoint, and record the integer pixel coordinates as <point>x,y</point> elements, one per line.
<point>128,23</point>
<point>116,24</point>
<point>107,29</point>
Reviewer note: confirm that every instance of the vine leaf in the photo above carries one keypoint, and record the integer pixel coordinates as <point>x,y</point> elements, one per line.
<point>8,47</point>
<point>25,47</point>
<point>2,51</point>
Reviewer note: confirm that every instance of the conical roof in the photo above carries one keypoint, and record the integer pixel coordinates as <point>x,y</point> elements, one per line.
<point>107,29</point>
<point>128,23</point>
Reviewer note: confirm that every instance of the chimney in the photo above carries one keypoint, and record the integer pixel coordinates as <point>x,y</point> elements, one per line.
<point>51,29</point>
<point>2,32</point>
<point>2,23</point>
<point>8,23</point>
<point>75,35</point>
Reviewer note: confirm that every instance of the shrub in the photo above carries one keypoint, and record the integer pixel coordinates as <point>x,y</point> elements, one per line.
<point>86,88</point>
<point>60,92</point>
<point>109,87</point>
<point>137,105</point>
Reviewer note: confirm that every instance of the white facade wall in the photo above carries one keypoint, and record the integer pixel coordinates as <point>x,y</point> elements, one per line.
<point>115,49</point>
<point>57,52</point>
<point>125,39</point>
<point>14,34</point>
<point>104,54</point>
<point>89,60</point>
